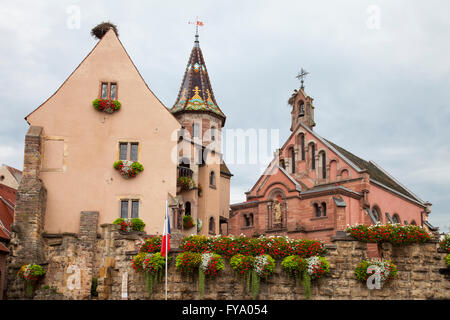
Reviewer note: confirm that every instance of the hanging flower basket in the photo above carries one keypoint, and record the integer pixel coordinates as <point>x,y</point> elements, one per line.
<point>31,273</point>
<point>186,183</point>
<point>384,270</point>
<point>188,222</point>
<point>106,105</point>
<point>127,168</point>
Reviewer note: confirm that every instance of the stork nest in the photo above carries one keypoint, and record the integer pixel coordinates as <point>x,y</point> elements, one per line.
<point>100,30</point>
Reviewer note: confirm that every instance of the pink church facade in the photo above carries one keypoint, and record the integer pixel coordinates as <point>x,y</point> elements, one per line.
<point>313,188</point>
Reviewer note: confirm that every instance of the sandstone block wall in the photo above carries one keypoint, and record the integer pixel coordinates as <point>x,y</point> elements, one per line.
<point>109,260</point>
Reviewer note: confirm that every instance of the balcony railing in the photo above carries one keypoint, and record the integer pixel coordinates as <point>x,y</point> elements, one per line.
<point>184,172</point>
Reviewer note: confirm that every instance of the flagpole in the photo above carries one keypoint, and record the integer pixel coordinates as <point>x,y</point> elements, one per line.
<point>166,229</point>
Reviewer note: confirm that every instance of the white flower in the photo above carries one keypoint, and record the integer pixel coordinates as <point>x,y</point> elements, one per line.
<point>206,258</point>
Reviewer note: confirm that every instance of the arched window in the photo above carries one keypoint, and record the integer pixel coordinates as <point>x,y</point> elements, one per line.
<point>187,208</point>
<point>213,133</point>
<point>248,219</point>
<point>313,155</point>
<point>376,214</point>
<point>413,223</point>
<point>195,130</point>
<point>212,179</point>
<point>292,153</point>
<point>396,218</point>
<point>301,108</point>
<point>212,226</point>
<point>317,210</point>
<point>302,145</point>
<point>323,157</point>
<point>324,209</point>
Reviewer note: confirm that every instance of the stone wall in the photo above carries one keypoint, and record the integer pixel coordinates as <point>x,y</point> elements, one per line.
<point>73,260</point>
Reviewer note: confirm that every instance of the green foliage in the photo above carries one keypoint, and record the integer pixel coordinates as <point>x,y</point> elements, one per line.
<point>255,280</point>
<point>444,244</point>
<point>186,183</point>
<point>187,262</point>
<point>118,221</point>
<point>188,222</point>
<point>94,285</point>
<point>137,167</point>
<point>153,265</point>
<point>306,281</point>
<point>388,270</point>
<point>137,224</point>
<point>294,266</point>
<point>447,260</point>
<point>151,244</point>
<point>201,282</point>
<point>116,164</point>
<point>138,261</point>
<point>106,105</point>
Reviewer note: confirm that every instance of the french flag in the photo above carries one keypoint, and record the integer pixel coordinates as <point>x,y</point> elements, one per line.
<point>165,245</point>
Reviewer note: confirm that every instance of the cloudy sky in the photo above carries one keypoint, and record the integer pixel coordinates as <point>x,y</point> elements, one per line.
<point>379,72</point>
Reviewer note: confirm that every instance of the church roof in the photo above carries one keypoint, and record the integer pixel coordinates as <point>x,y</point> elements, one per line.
<point>196,93</point>
<point>374,171</point>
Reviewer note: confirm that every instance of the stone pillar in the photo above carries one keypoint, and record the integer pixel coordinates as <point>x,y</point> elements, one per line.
<point>30,203</point>
<point>26,245</point>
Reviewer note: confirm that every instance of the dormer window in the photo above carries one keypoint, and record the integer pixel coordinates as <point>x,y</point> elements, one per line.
<point>109,90</point>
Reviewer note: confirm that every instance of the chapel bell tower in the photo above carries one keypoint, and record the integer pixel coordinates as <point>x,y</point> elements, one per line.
<point>302,109</point>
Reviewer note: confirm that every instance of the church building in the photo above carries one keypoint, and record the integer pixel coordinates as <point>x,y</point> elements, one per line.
<point>314,188</point>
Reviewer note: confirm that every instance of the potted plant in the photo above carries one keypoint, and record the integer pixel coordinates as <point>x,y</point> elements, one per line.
<point>106,105</point>
<point>31,273</point>
<point>188,222</point>
<point>127,168</point>
<point>384,269</point>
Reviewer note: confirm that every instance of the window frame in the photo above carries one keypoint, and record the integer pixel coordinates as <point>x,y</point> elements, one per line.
<point>129,201</point>
<point>108,89</point>
<point>129,150</point>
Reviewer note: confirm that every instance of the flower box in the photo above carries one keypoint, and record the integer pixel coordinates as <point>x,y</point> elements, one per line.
<point>127,168</point>
<point>106,105</point>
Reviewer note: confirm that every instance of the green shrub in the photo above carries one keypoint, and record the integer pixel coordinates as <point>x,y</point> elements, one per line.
<point>137,224</point>
<point>447,260</point>
<point>444,244</point>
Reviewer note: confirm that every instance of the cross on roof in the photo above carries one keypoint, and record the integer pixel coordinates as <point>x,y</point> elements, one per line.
<point>301,76</point>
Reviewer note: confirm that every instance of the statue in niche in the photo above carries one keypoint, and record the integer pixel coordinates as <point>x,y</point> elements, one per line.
<point>276,210</point>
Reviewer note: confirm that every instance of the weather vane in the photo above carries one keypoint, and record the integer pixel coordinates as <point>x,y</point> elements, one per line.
<point>197,24</point>
<point>301,76</point>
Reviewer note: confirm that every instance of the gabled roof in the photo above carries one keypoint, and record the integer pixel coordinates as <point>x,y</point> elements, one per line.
<point>112,33</point>
<point>375,172</point>
<point>196,94</point>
